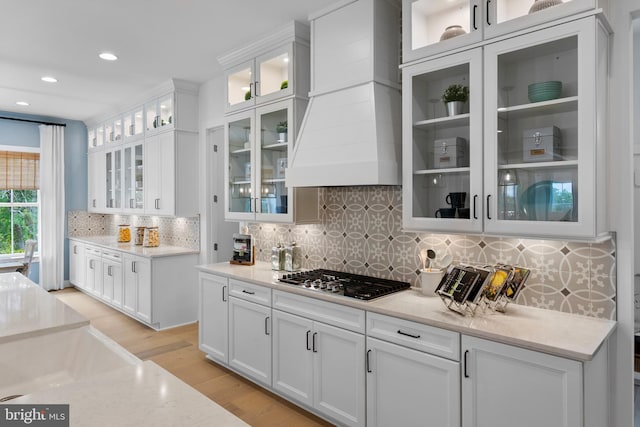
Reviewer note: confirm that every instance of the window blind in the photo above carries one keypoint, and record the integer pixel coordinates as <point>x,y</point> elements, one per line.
<point>19,170</point>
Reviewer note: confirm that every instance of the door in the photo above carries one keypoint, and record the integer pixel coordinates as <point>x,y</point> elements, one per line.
<point>406,387</point>
<point>113,182</point>
<point>540,133</point>
<point>107,281</point>
<point>118,284</point>
<point>76,264</point>
<point>130,286</point>
<point>159,178</point>
<point>213,327</point>
<point>250,339</point>
<point>239,167</point>
<point>134,177</point>
<point>96,170</point>
<point>502,383</point>
<point>338,374</point>
<point>144,295</point>
<point>94,273</point>
<point>442,146</point>
<point>293,357</point>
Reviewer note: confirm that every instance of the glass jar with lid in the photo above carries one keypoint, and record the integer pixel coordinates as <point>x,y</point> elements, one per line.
<point>151,237</point>
<point>124,233</point>
<point>140,235</point>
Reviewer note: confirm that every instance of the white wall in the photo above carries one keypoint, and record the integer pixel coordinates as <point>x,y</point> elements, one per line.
<point>621,213</point>
<point>213,228</point>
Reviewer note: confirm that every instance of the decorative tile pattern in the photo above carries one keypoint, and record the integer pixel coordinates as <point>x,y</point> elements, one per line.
<point>183,232</point>
<point>361,232</point>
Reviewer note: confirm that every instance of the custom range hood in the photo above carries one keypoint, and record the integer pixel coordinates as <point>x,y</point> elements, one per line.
<point>351,131</point>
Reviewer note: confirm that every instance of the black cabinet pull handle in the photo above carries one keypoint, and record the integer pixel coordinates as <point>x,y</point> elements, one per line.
<point>488,22</point>
<point>466,352</point>
<point>308,332</point>
<point>367,361</point>
<point>266,324</point>
<point>248,292</point>
<point>408,335</point>
<point>475,9</point>
<point>488,213</point>
<point>223,288</point>
<point>475,213</point>
<point>313,340</point>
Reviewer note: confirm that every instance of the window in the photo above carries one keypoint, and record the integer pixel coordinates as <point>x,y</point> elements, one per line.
<point>19,198</point>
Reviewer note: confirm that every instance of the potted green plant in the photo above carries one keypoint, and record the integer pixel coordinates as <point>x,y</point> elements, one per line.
<point>455,96</point>
<point>284,84</point>
<point>247,95</point>
<point>282,128</point>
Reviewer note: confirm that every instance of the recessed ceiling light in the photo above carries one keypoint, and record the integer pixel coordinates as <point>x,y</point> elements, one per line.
<point>49,79</point>
<point>23,103</point>
<point>108,56</point>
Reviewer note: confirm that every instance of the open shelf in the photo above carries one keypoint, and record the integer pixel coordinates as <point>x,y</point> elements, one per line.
<point>554,106</point>
<point>540,165</point>
<point>279,146</point>
<point>440,171</point>
<point>457,120</point>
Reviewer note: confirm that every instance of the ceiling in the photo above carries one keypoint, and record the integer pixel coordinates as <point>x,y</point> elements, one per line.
<point>154,40</point>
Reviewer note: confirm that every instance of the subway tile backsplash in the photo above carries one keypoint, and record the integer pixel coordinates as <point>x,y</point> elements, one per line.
<point>184,232</point>
<point>361,232</point>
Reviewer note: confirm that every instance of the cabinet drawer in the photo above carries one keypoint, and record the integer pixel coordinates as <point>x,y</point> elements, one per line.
<point>93,250</point>
<point>250,292</point>
<point>337,315</point>
<point>112,255</point>
<point>414,335</point>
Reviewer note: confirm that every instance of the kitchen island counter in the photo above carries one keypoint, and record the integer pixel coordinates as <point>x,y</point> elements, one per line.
<point>561,334</point>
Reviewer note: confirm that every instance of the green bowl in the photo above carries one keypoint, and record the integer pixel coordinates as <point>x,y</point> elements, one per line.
<point>544,91</point>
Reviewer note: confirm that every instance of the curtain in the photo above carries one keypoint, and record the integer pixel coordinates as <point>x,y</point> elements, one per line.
<point>52,207</point>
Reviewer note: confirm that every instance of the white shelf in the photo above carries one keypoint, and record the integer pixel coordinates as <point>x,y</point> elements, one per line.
<point>554,106</point>
<point>241,182</point>
<point>272,181</point>
<point>242,150</point>
<point>277,146</point>
<point>457,120</point>
<point>441,171</point>
<point>540,165</point>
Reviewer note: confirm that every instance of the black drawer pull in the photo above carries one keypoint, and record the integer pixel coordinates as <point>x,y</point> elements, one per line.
<point>466,352</point>
<point>308,332</point>
<point>367,362</point>
<point>248,292</point>
<point>408,335</point>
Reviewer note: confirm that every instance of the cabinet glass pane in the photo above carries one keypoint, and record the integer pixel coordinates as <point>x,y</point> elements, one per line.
<point>166,111</point>
<point>138,171</point>
<point>108,132</point>
<point>99,136</point>
<point>117,130</point>
<point>128,177</point>
<point>273,161</point>
<point>91,137</point>
<point>436,21</point>
<point>117,179</point>
<point>138,124</point>
<point>441,172</point>
<point>109,178</point>
<point>239,88</point>
<point>507,10</point>
<point>151,115</point>
<point>538,132</point>
<point>274,74</point>
<point>240,170</point>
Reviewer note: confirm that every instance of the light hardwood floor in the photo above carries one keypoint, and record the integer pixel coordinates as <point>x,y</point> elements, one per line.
<point>176,350</point>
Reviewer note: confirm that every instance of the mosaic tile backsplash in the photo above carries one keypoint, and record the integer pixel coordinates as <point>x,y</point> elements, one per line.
<point>183,232</point>
<point>361,232</point>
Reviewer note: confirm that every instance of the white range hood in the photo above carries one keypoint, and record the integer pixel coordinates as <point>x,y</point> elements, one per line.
<point>351,131</point>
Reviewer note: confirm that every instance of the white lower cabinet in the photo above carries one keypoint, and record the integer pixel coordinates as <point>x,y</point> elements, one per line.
<point>318,364</point>
<point>76,264</point>
<point>213,328</point>
<point>502,383</point>
<point>161,292</point>
<point>250,339</point>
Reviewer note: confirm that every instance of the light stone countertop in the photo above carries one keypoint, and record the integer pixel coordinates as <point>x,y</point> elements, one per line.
<point>111,242</point>
<point>141,395</point>
<point>28,310</point>
<point>561,334</point>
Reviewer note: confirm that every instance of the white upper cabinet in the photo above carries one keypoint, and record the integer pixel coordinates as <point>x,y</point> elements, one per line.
<point>159,114</point>
<point>433,27</point>
<point>525,155</point>
<point>133,124</point>
<point>271,69</point>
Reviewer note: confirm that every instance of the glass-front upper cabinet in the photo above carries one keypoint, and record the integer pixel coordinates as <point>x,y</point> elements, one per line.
<point>113,182</point>
<point>263,79</point>
<point>159,114</point>
<point>133,124</point>
<point>272,159</point>
<point>133,171</point>
<point>239,136</point>
<point>91,138</point>
<point>543,119</point>
<point>432,27</point>
<point>442,143</point>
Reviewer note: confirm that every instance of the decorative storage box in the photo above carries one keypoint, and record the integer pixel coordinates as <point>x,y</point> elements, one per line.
<point>449,153</point>
<point>541,145</point>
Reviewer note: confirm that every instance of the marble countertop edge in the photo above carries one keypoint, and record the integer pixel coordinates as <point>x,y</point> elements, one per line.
<point>110,242</point>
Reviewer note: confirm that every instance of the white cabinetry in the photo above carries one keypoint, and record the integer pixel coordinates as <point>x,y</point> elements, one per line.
<point>425,22</point>
<point>77,264</point>
<point>405,384</point>
<point>137,285</point>
<point>502,383</point>
<point>93,263</point>
<point>213,326</point>
<point>510,185</point>
<point>96,172</point>
<point>320,363</point>
<point>250,330</point>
